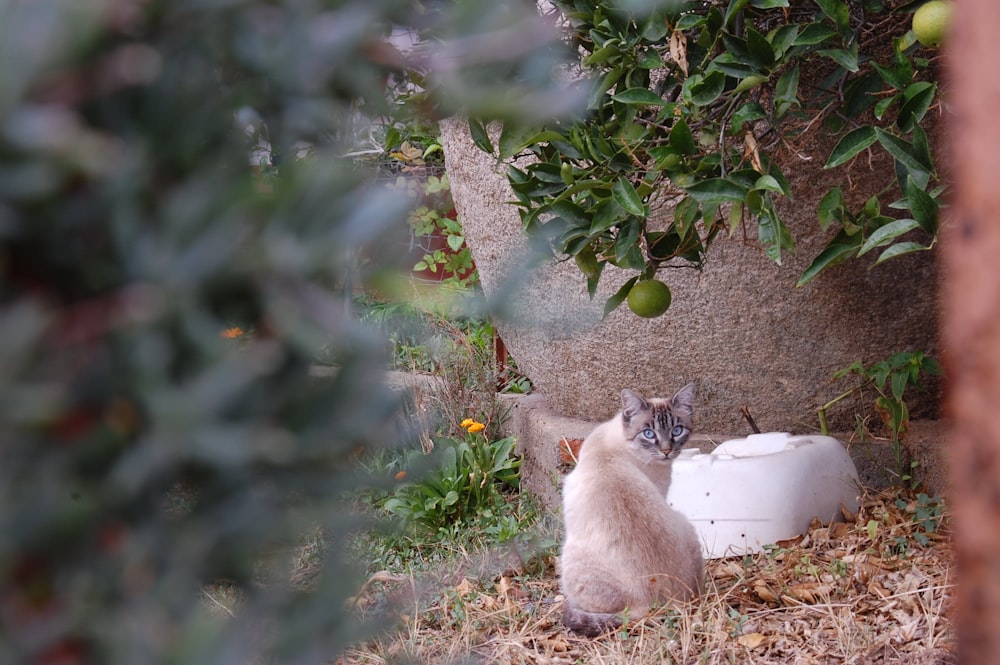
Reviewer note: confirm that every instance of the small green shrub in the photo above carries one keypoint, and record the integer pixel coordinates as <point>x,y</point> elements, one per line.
<point>460,481</point>
<point>437,218</point>
<point>927,513</point>
<point>890,379</point>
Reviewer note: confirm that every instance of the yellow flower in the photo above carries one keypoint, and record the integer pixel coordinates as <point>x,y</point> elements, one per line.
<point>476,427</point>
<point>232,333</point>
<point>466,423</point>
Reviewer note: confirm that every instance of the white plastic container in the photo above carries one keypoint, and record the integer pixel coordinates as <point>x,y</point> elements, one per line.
<point>751,492</point>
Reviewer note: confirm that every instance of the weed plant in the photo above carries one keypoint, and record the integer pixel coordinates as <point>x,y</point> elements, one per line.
<point>466,480</point>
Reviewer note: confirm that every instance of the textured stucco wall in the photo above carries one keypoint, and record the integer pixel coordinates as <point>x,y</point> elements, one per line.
<point>740,329</point>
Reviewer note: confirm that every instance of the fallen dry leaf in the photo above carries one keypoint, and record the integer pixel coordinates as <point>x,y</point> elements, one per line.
<point>811,593</point>
<point>464,587</point>
<point>751,640</point>
<point>509,590</point>
<point>764,592</point>
<point>840,530</point>
<point>729,569</point>
<point>569,450</point>
<point>554,643</point>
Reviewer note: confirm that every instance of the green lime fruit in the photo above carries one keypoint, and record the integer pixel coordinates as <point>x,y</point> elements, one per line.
<point>649,298</point>
<point>931,21</point>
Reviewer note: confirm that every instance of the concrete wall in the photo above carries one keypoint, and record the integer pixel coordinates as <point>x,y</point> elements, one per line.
<point>740,329</point>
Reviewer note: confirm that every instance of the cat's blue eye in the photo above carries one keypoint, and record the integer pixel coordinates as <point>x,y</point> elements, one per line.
<point>649,434</point>
<point>677,431</point>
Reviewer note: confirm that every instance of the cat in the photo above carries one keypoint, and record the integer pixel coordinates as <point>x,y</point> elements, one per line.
<point>625,549</point>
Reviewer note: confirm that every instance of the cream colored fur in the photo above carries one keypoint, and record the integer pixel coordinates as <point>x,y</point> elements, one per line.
<point>626,550</point>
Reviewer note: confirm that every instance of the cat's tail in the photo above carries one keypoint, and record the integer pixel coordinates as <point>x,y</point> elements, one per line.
<point>588,624</point>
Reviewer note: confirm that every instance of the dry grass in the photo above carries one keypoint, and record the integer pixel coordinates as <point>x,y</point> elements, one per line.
<point>874,589</point>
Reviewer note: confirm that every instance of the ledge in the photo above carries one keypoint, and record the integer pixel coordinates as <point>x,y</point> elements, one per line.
<point>539,432</point>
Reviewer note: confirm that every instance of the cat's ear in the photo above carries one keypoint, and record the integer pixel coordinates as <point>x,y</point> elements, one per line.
<point>632,404</point>
<point>684,400</point>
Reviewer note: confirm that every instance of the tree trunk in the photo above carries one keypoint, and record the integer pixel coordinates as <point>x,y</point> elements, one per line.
<point>971,326</point>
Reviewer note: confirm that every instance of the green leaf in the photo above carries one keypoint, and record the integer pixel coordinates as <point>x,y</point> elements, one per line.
<point>514,138</point>
<point>702,90</point>
<point>860,94</point>
<point>480,137</point>
<point>850,145</point>
<point>735,7</point>
<point>627,252</point>
<point>651,58</point>
<point>773,234</point>
<point>921,148</point>
<point>883,105</point>
<point>848,59</point>
<point>782,38</point>
<point>596,96</point>
<point>729,64</point>
<point>455,242</point>
<point>602,55</point>
<point>895,77</point>
<point>775,172</point>
<point>768,183</point>
<point>690,20</point>
<point>760,49</point>
<point>899,381</point>
<point>901,149</point>
<point>546,172</point>
<point>768,4</point>
<point>899,249</point>
<point>886,234</point>
<point>568,211</point>
<point>639,96</point>
<point>749,83</point>
<point>626,196</point>
<point>655,28</point>
<point>612,303</point>
<point>392,138</point>
<point>716,190</point>
<point>923,207</point>
<point>814,33</point>
<point>735,218</point>
<point>919,98</point>
<point>736,51</point>
<point>786,92</point>
<point>931,366</point>
<point>749,112</point>
<point>841,248</point>
<point>838,12</point>
<point>685,215</point>
<point>681,139</point>
<point>594,279</point>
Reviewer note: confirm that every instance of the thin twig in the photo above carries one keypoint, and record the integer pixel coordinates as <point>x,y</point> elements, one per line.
<point>214,600</point>
<point>746,416</point>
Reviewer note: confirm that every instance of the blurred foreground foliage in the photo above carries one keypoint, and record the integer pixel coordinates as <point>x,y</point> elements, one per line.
<point>143,453</point>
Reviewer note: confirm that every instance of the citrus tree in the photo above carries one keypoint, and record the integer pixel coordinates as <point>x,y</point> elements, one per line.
<point>688,103</point>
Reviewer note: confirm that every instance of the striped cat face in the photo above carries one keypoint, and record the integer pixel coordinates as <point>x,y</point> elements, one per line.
<point>659,427</point>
